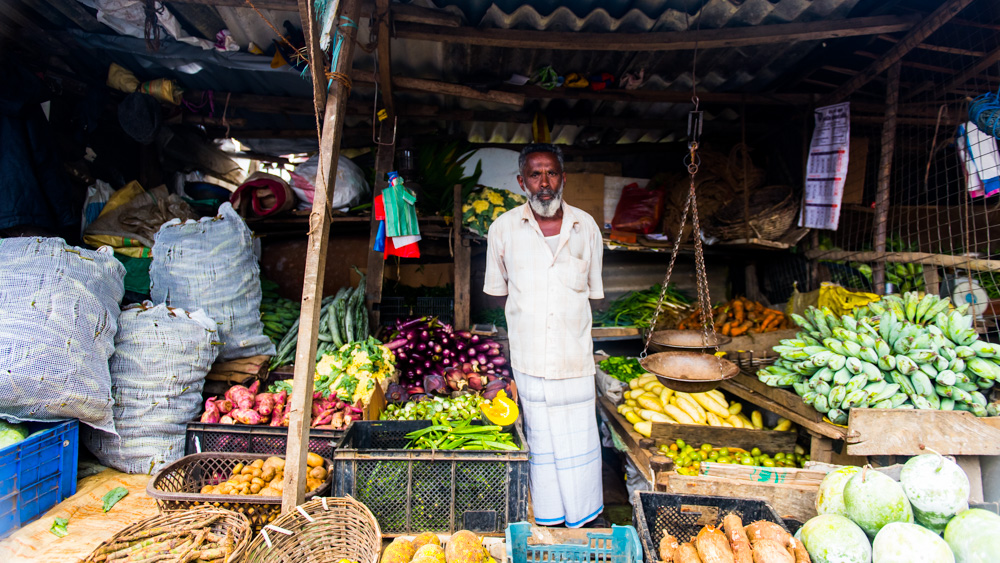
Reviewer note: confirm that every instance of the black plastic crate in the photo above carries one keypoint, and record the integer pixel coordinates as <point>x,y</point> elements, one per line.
<point>247,439</point>
<point>443,491</point>
<point>392,308</point>
<point>683,516</point>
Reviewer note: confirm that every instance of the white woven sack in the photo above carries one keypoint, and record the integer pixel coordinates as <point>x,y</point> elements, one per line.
<point>162,356</point>
<point>58,319</point>
<point>210,265</point>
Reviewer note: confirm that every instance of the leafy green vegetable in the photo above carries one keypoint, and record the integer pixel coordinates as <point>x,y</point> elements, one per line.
<point>112,497</point>
<point>622,369</point>
<point>637,308</point>
<point>441,166</point>
<point>59,527</point>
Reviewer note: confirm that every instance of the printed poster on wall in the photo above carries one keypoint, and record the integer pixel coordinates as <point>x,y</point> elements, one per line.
<point>826,169</point>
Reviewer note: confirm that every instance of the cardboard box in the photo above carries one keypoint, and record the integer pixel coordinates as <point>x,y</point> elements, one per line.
<point>586,191</point>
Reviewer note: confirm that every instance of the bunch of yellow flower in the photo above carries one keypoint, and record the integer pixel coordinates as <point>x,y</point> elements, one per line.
<point>354,370</point>
<point>487,205</point>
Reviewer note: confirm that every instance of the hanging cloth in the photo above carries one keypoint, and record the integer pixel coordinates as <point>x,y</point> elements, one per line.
<point>981,158</point>
<point>400,208</point>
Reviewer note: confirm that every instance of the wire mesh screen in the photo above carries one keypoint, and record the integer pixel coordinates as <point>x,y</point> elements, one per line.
<point>939,166</point>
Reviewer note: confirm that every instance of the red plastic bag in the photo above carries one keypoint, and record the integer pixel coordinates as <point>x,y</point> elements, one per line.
<point>639,210</point>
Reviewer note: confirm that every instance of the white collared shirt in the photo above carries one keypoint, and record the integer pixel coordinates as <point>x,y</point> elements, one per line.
<point>548,312</point>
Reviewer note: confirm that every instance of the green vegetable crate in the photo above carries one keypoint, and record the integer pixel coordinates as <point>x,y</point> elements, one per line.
<point>442,491</point>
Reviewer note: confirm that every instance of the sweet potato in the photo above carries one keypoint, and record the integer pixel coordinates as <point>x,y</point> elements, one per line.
<point>225,405</point>
<point>687,553</point>
<point>668,548</point>
<point>246,416</point>
<point>211,414</point>
<point>264,403</point>
<point>764,530</point>
<point>733,526</point>
<point>799,551</point>
<point>226,419</point>
<point>770,551</point>
<point>241,397</point>
<point>254,387</point>
<point>712,546</point>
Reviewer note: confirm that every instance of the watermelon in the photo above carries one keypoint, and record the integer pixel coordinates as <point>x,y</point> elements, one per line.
<point>874,499</point>
<point>900,542</point>
<point>831,538</point>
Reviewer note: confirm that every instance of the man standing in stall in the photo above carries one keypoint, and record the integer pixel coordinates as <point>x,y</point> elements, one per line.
<point>544,259</point>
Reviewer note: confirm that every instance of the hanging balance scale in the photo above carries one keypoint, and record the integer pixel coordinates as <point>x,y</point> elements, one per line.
<point>682,361</point>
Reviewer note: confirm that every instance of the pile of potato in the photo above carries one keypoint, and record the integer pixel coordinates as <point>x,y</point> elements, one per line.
<point>266,478</point>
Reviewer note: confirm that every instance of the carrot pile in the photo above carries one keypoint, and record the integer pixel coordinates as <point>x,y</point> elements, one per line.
<point>738,317</point>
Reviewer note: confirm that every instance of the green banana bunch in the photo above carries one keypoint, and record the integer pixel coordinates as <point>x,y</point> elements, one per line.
<point>906,351</point>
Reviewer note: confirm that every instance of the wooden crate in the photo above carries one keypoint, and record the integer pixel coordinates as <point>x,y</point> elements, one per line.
<point>903,432</point>
<point>774,475</point>
<point>790,500</point>
<point>769,441</point>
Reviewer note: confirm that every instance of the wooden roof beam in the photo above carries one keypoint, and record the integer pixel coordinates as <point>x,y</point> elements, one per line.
<point>915,37</point>
<point>658,41</point>
<point>400,12</point>
<point>936,48</point>
<point>384,59</point>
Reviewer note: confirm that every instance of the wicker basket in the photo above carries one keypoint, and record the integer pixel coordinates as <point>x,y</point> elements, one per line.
<point>229,522</point>
<point>772,211</point>
<point>178,486</point>
<point>323,530</point>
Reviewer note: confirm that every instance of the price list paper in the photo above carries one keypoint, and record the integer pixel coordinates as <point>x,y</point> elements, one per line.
<point>826,170</point>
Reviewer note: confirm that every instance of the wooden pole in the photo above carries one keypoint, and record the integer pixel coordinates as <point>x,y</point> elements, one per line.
<point>463,260</point>
<point>384,158</point>
<point>299,417</point>
<point>316,57</point>
<point>885,174</point>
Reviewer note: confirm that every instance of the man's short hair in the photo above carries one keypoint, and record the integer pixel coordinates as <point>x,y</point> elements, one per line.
<point>538,147</point>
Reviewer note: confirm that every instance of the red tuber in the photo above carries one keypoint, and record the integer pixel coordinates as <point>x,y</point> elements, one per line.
<point>240,396</point>
<point>264,403</point>
<point>211,415</point>
<point>225,405</point>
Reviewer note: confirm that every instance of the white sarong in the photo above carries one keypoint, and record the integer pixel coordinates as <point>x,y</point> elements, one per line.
<point>560,423</point>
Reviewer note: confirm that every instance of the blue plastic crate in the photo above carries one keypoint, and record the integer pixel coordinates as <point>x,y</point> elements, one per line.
<point>620,546</point>
<point>38,473</point>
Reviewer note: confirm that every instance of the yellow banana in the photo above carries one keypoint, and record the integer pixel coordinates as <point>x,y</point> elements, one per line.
<point>757,419</point>
<point>693,409</point>
<point>632,417</point>
<point>650,403</point>
<point>713,420</point>
<point>643,427</point>
<point>678,414</point>
<point>709,404</point>
<point>735,408</point>
<point>654,416</point>
<point>666,395</point>
<point>783,425</point>
<point>719,397</point>
<point>646,379</point>
<point>633,384</point>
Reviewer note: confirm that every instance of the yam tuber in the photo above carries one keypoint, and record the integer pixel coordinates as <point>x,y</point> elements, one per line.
<point>712,545</point>
<point>687,553</point>
<point>241,397</point>
<point>212,414</point>
<point>733,526</point>
<point>668,548</point>
<point>799,551</point>
<point>770,551</point>
<point>225,405</point>
<point>264,403</point>
<point>764,530</point>
<point>246,416</point>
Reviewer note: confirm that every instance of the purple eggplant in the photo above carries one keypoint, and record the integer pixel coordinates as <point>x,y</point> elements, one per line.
<point>482,347</point>
<point>492,351</point>
<point>396,343</point>
<point>474,339</point>
<point>496,384</point>
<point>481,358</point>
<point>464,334</point>
<point>498,361</point>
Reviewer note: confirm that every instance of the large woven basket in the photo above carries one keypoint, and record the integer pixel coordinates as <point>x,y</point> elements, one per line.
<point>178,486</point>
<point>772,211</point>
<point>233,523</point>
<point>323,530</point>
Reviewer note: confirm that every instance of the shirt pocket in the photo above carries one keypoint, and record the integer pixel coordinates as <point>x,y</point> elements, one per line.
<point>574,273</point>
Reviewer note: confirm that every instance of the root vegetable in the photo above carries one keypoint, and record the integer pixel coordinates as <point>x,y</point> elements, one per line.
<point>733,526</point>
<point>668,547</point>
<point>240,396</point>
<point>254,387</point>
<point>799,551</point>
<point>246,416</point>
<point>226,419</point>
<point>712,546</point>
<point>313,460</point>
<point>211,414</point>
<point>264,403</point>
<point>318,473</point>
<point>770,551</point>
<point>153,532</point>
<point>225,405</point>
<point>687,553</point>
<point>764,530</point>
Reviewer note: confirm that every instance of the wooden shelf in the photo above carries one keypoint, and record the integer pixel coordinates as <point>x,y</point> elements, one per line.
<point>945,260</point>
<point>902,432</point>
<point>783,403</point>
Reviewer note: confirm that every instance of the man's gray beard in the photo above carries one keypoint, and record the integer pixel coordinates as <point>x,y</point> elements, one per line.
<point>546,209</point>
